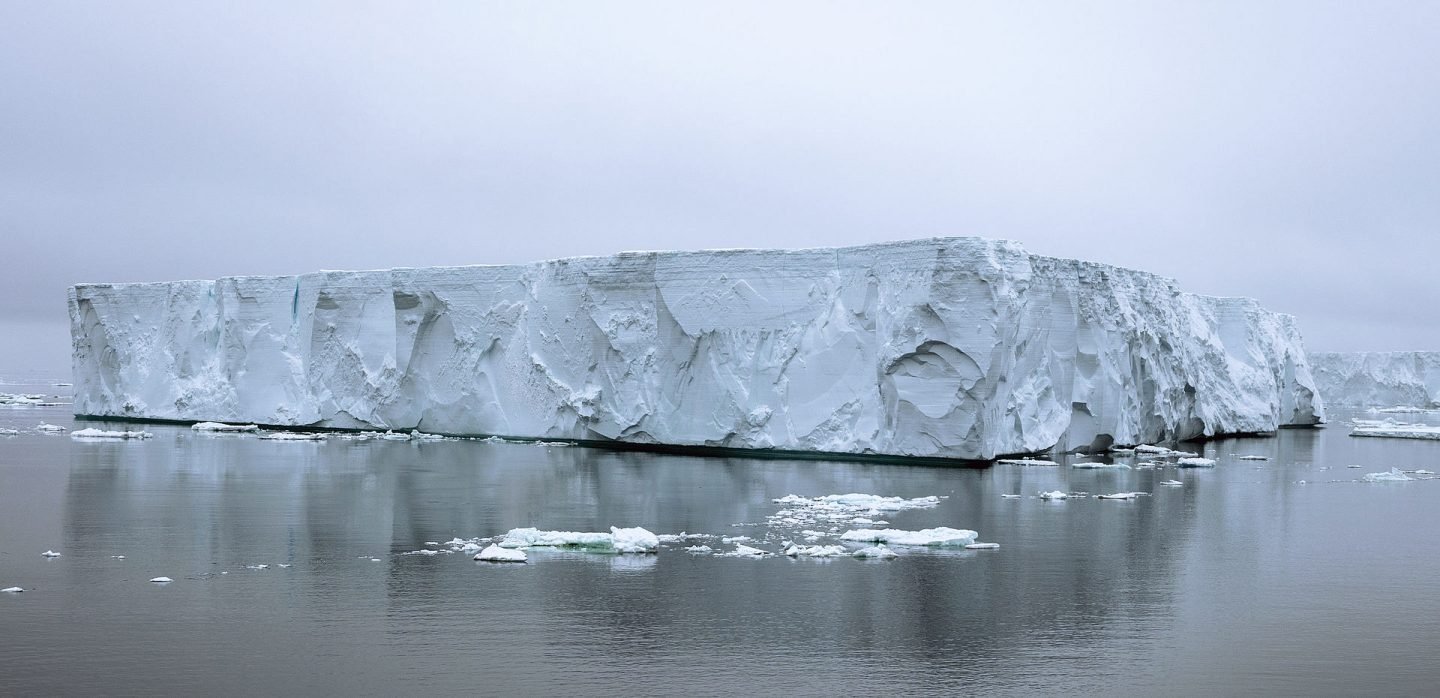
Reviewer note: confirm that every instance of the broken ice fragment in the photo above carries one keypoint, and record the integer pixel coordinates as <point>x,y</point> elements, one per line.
<point>495,553</point>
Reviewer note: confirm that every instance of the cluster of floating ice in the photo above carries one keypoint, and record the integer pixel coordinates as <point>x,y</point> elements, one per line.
<point>292,436</point>
<point>26,400</point>
<point>839,509</point>
<point>50,428</point>
<point>1393,475</point>
<point>219,428</point>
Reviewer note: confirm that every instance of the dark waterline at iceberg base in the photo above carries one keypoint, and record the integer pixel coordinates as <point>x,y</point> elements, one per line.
<point>1243,580</point>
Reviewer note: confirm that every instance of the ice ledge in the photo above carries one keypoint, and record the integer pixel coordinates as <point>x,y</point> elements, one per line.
<point>955,348</point>
<point>1379,378</point>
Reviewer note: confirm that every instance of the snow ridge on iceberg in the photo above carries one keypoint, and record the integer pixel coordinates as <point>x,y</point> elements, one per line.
<point>951,348</point>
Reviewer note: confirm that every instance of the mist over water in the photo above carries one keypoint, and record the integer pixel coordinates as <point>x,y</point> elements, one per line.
<point>1243,580</point>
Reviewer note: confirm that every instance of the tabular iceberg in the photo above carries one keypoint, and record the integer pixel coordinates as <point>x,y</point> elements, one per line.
<point>1378,378</point>
<point>960,348</point>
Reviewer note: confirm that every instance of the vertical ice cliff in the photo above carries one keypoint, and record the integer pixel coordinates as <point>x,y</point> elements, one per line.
<point>956,347</point>
<point>1379,378</point>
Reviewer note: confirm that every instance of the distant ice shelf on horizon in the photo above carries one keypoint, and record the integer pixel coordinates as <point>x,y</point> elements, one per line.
<point>1378,378</point>
<point>962,348</point>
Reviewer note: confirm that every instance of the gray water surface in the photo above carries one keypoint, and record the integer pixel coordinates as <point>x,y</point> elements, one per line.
<point>1242,581</point>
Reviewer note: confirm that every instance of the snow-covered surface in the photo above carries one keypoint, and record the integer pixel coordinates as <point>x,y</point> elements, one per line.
<point>102,434</point>
<point>1403,378</point>
<point>495,553</point>
<point>618,540</point>
<point>952,347</point>
<point>1394,475</point>
<point>224,428</point>
<point>1395,430</point>
<point>930,536</point>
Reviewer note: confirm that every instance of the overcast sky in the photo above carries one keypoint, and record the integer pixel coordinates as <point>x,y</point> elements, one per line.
<point>1288,151</point>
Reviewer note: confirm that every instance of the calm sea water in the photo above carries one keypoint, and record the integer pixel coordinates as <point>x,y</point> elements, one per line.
<point>1245,580</point>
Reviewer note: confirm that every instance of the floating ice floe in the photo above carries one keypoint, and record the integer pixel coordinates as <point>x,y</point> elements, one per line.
<point>743,550</point>
<point>982,546</point>
<point>292,436</point>
<point>1096,465</point>
<point>1025,461</point>
<point>683,537</point>
<point>1162,452</point>
<point>1195,462</point>
<point>1172,483</point>
<point>936,537</point>
<point>117,557</point>
<point>1395,475</point>
<point>162,580</point>
<point>222,428</point>
<point>618,540</point>
<point>1122,495</point>
<point>1399,431</point>
<point>1009,496</point>
<point>50,428</point>
<point>101,434</point>
<point>284,566</point>
<point>878,552</point>
<point>9,432</point>
<point>11,590</point>
<point>699,549</point>
<point>50,553</point>
<point>816,551</point>
<point>1054,495</point>
<point>257,567</point>
<point>1252,458</point>
<point>736,539</point>
<point>1422,471</point>
<point>495,553</point>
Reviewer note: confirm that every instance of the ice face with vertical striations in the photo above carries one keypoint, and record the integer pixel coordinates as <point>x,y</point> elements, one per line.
<point>954,347</point>
<point>1379,378</point>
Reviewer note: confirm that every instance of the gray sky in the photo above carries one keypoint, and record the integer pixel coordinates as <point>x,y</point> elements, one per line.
<point>1288,151</point>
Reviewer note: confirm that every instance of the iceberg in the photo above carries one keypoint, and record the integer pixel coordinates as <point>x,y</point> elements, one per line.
<point>1395,475</point>
<point>11,590</point>
<point>956,348</point>
<point>1398,431</point>
<point>49,553</point>
<point>1195,462</point>
<point>100,434</point>
<point>224,428</point>
<point>495,553</point>
<point>1054,495</point>
<point>618,540</point>
<point>926,537</point>
<point>162,580</point>
<point>49,428</point>
<point>877,552</point>
<point>1374,378</point>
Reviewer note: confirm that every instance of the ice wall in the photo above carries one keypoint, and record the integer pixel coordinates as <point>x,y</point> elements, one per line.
<point>1379,378</point>
<point>955,347</point>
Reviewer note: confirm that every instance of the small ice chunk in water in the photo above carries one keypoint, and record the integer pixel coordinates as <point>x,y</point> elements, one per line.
<point>1096,465</point>
<point>878,552</point>
<point>1195,462</point>
<point>292,436</point>
<point>815,550</point>
<point>1025,461</point>
<point>982,546</point>
<point>1172,483</point>
<point>100,434</point>
<point>50,428</point>
<point>1054,495</point>
<point>495,553</point>
<point>1423,471</point>
<point>224,428</point>
<point>940,536</point>
<point>742,550</point>
<point>283,565</point>
<point>50,553</point>
<point>1119,495</point>
<point>1252,458</point>
<point>257,567</point>
<point>162,580</point>
<point>1395,475</point>
<point>1010,496</point>
<point>11,590</point>
<point>699,549</point>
